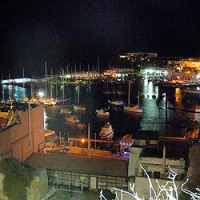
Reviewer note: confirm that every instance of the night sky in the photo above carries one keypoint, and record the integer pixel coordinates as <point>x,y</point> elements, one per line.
<point>64,32</point>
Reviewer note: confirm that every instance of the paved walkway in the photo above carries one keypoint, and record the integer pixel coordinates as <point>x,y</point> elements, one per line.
<point>83,152</point>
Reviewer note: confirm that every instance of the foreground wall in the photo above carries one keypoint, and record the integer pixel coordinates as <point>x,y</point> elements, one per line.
<point>26,137</point>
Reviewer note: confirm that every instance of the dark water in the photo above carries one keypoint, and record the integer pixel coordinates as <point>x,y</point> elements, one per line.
<point>152,99</point>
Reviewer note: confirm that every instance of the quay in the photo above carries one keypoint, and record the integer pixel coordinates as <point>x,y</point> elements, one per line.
<point>91,140</point>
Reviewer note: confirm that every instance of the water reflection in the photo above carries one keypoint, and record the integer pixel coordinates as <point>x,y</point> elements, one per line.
<point>154,101</point>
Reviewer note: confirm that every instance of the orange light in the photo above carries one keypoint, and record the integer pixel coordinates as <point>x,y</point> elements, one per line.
<point>83,140</point>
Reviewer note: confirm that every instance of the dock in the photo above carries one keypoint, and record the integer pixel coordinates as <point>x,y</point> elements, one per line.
<point>91,140</point>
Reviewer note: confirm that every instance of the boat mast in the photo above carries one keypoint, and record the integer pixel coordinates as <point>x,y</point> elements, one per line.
<point>9,86</point>
<point>46,78</point>
<point>2,89</point>
<point>138,98</point>
<point>51,85</point>
<point>129,89</point>
<point>63,87</point>
<point>78,93</point>
<point>23,78</point>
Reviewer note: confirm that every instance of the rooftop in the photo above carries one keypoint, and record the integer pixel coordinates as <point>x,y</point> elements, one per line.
<point>97,166</point>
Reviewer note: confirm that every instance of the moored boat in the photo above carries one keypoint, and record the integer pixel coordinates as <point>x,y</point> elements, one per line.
<point>79,107</point>
<point>65,111</point>
<point>107,132</point>
<point>133,108</point>
<point>73,119</point>
<point>192,91</point>
<point>116,102</point>
<point>102,112</point>
<point>81,126</point>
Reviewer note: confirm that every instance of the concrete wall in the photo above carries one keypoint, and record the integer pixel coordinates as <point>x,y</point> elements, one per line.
<point>5,144</point>
<point>24,138</point>
<point>158,164</point>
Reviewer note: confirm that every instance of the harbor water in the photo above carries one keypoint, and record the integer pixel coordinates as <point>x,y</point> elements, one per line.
<point>158,104</point>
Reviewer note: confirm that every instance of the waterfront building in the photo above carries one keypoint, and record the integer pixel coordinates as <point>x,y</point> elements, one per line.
<point>140,55</point>
<point>157,168</point>
<point>24,137</point>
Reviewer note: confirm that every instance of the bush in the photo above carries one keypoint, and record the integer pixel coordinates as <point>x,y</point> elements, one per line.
<point>17,179</point>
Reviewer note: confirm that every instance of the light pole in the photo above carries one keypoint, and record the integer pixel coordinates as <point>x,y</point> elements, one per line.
<point>89,140</point>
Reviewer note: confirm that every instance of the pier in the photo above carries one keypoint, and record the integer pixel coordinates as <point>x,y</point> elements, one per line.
<point>91,140</point>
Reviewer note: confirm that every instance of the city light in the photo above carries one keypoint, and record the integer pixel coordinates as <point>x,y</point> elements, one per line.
<point>41,94</point>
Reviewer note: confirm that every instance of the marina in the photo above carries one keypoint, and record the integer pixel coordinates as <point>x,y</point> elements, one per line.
<point>162,108</point>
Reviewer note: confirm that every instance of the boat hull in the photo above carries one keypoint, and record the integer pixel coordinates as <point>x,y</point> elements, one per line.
<point>134,109</point>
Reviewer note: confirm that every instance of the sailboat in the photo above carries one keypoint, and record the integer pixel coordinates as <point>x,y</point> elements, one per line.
<point>3,98</point>
<point>9,101</point>
<point>79,107</point>
<point>25,99</point>
<point>133,108</point>
<point>115,102</point>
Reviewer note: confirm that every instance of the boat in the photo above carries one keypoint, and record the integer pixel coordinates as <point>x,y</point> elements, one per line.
<point>133,108</point>
<point>33,100</point>
<point>102,112</point>
<point>48,101</point>
<point>65,111</point>
<point>72,119</point>
<point>116,102</point>
<point>81,126</point>
<point>192,91</point>
<point>79,107</point>
<point>107,131</point>
<point>25,99</point>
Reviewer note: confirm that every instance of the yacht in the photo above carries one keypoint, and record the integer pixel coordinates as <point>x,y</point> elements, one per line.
<point>102,112</point>
<point>107,132</point>
<point>133,108</point>
<point>65,111</point>
<point>73,119</point>
<point>116,102</point>
<point>79,107</point>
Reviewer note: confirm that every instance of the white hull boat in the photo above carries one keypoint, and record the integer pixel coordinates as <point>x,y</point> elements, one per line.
<point>65,111</point>
<point>133,108</point>
<point>102,112</point>
<point>107,131</point>
<point>72,119</point>
<point>116,103</point>
<point>80,108</point>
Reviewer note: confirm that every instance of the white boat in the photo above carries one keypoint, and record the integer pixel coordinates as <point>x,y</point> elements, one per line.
<point>65,111</point>
<point>48,101</point>
<point>116,102</point>
<point>72,119</point>
<point>133,108</point>
<point>107,131</point>
<point>102,112</point>
<point>25,99</point>
<point>79,107</point>
<point>81,126</point>
<point>33,100</point>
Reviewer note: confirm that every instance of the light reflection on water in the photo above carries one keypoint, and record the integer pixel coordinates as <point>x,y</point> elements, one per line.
<point>152,99</point>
